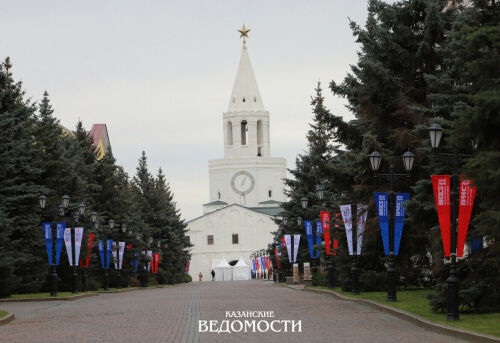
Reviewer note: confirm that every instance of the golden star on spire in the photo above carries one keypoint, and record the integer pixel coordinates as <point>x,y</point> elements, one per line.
<point>244,34</point>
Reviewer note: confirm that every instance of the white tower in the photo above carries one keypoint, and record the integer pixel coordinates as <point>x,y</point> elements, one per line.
<point>247,175</point>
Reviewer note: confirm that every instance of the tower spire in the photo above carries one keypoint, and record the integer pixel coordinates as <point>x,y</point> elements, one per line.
<point>245,95</point>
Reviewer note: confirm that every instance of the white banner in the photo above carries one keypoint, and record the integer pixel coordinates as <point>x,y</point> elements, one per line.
<point>150,255</point>
<point>114,251</point>
<point>78,243</point>
<point>296,241</point>
<point>362,214</point>
<point>120,253</point>
<point>347,218</point>
<point>288,242</point>
<point>67,242</point>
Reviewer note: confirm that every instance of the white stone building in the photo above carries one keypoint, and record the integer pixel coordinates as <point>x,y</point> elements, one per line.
<point>246,186</point>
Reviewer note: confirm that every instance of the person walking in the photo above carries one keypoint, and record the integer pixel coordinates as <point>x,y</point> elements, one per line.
<point>200,276</point>
<point>213,275</point>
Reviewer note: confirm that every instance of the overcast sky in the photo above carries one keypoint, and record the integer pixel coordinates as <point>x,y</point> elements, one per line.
<point>160,73</point>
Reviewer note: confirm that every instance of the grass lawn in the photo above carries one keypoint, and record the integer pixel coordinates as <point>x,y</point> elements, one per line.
<point>3,313</point>
<point>415,301</point>
<point>40,295</point>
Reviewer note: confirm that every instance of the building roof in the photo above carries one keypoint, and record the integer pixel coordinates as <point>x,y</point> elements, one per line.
<point>99,134</point>
<point>217,202</point>
<point>268,211</point>
<point>269,202</point>
<point>96,132</point>
<point>245,95</point>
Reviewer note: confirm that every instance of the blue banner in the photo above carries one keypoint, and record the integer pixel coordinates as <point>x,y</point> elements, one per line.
<point>136,261</point>
<point>262,263</point>
<point>319,234</point>
<point>308,224</point>
<point>47,233</point>
<point>399,219</point>
<point>109,246</point>
<point>60,227</point>
<point>253,265</point>
<point>101,252</point>
<point>382,204</point>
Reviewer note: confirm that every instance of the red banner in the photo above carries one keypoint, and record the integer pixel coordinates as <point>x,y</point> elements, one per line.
<point>466,202</point>
<point>283,241</point>
<point>277,258</point>
<point>441,186</point>
<point>154,263</point>
<point>325,222</point>
<point>335,246</point>
<point>89,241</point>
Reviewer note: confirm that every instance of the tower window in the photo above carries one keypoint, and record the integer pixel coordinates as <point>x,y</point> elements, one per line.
<point>270,193</point>
<point>235,238</point>
<point>259,151</point>
<point>244,99</point>
<point>254,99</point>
<point>210,239</point>
<point>218,195</point>
<point>259,132</point>
<point>244,131</point>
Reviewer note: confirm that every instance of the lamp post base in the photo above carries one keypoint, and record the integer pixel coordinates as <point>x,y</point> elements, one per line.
<point>452,290</point>
<point>391,280</point>
<point>354,275</point>
<point>74,280</point>
<point>84,279</point>
<point>314,272</point>
<point>331,271</point>
<point>53,292</point>
<point>106,280</point>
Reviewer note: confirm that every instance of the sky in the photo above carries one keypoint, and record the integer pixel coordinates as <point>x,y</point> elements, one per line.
<point>159,74</point>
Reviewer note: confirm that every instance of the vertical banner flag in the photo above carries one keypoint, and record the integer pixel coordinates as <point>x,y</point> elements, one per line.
<point>136,262</point>
<point>362,214</point>
<point>187,266</point>
<point>101,253</point>
<point>150,256</point>
<point>109,246</point>
<point>325,223</point>
<point>262,263</point>
<point>89,238</point>
<point>121,250</point>
<point>441,187</point>
<point>382,204</point>
<point>277,258</point>
<point>399,219</point>
<point>288,244</point>
<point>296,241</point>
<point>308,224</point>
<point>319,231</point>
<point>157,261</point>
<point>60,227</point>
<point>78,243</point>
<point>67,242</point>
<point>47,233</point>
<point>346,211</point>
<point>114,251</point>
<point>253,265</point>
<point>466,202</point>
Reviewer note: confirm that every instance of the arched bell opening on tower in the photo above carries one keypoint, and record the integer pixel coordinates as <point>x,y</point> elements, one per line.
<point>244,132</point>
<point>230,133</point>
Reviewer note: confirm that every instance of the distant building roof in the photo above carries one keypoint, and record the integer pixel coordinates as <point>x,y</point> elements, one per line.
<point>270,211</point>
<point>99,134</point>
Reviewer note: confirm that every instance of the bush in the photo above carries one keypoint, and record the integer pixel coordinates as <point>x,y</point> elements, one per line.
<point>370,280</point>
<point>94,285</point>
<point>187,278</point>
<point>134,282</point>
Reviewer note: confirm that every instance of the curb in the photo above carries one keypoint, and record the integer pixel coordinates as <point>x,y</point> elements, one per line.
<point>69,298</point>
<point>417,320</point>
<point>7,319</point>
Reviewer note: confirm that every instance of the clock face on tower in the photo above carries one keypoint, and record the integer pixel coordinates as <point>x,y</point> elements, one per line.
<point>242,182</point>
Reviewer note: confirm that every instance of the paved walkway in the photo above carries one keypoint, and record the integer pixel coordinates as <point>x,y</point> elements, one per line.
<point>171,315</point>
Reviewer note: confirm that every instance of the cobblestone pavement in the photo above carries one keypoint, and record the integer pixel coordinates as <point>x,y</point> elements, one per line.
<point>171,315</point>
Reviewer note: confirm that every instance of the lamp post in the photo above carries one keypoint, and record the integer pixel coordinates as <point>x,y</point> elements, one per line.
<point>452,282</point>
<point>375,161</point>
<point>93,222</point>
<point>60,212</point>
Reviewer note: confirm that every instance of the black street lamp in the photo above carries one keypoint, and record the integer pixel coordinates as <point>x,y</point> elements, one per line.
<point>452,282</point>
<point>375,161</point>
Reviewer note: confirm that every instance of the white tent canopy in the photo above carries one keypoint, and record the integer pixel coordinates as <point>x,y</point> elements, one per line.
<point>223,271</point>
<point>241,271</point>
